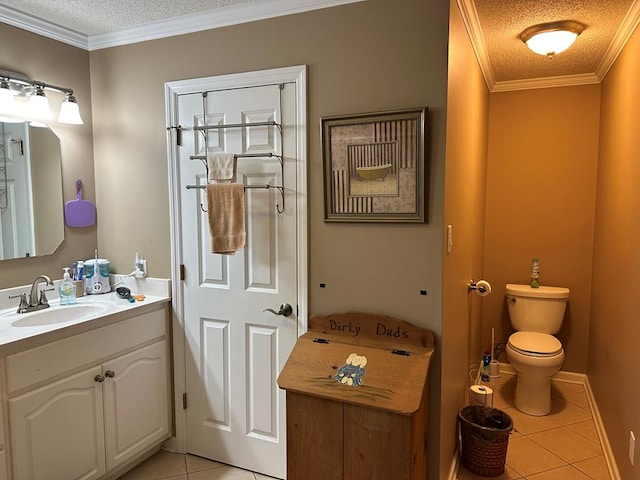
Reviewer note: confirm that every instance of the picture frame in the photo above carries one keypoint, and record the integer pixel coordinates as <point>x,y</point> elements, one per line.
<point>375,166</point>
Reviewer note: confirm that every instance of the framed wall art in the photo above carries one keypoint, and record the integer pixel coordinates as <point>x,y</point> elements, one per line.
<point>374,166</point>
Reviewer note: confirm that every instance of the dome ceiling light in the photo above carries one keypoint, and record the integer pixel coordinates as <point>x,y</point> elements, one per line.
<point>551,38</point>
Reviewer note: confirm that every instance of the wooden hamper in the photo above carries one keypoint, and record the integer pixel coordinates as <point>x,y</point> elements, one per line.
<point>356,399</point>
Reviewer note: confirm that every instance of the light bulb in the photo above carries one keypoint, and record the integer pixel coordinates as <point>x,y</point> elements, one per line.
<point>69,111</point>
<point>551,38</point>
<point>551,43</point>
<point>38,106</point>
<point>7,99</point>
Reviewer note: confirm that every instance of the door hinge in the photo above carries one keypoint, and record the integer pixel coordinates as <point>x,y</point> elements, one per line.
<point>181,272</point>
<point>178,130</point>
<point>184,401</point>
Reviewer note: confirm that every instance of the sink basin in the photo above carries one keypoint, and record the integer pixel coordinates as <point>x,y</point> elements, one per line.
<point>58,314</point>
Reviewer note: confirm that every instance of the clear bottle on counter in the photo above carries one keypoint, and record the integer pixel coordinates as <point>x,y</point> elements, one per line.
<point>67,289</point>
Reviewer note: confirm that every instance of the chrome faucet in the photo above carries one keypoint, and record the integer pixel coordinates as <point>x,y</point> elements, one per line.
<point>37,300</point>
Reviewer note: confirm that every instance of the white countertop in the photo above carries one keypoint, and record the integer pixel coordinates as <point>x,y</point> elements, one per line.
<point>16,327</point>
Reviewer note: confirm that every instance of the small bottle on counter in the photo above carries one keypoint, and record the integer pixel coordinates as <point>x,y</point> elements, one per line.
<point>535,273</point>
<point>67,289</point>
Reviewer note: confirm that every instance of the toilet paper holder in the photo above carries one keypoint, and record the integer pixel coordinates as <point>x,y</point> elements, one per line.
<point>481,287</point>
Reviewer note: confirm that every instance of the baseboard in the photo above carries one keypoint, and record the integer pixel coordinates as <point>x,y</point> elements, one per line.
<point>602,433</point>
<point>581,378</point>
<point>170,445</point>
<point>455,465</point>
<point>561,376</point>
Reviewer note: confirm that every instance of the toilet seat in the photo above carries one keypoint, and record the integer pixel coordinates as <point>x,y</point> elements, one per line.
<point>535,344</point>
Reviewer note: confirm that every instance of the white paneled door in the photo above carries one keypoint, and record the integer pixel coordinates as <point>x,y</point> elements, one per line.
<point>235,345</point>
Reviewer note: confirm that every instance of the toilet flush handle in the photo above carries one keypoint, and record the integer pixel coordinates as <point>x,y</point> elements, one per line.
<point>511,299</point>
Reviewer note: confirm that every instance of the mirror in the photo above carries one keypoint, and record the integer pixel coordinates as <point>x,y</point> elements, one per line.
<point>31,204</point>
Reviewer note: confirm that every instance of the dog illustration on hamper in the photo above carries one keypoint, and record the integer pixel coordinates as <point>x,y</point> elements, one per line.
<point>352,371</point>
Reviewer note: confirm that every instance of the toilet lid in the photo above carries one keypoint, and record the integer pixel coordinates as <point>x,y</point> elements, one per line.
<point>535,344</point>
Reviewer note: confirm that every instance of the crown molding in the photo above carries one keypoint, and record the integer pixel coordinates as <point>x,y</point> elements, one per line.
<point>232,15</point>
<point>472,24</point>
<point>620,39</point>
<point>44,28</point>
<point>546,82</point>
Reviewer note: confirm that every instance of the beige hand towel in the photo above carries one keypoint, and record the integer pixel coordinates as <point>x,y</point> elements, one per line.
<point>225,208</point>
<point>222,167</point>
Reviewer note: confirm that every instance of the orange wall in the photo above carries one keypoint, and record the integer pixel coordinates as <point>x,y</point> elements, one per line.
<point>615,329</point>
<point>465,175</point>
<point>541,193</point>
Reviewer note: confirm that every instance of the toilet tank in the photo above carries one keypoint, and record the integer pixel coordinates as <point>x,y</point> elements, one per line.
<point>536,309</point>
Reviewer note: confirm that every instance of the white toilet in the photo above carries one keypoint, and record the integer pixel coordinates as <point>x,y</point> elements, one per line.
<point>534,353</point>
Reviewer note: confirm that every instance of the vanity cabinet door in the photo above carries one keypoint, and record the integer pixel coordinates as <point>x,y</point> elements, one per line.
<point>57,431</point>
<point>136,402</point>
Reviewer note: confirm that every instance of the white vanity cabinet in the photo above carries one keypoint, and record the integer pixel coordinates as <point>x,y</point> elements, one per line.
<point>84,406</point>
<point>136,408</point>
<point>57,431</point>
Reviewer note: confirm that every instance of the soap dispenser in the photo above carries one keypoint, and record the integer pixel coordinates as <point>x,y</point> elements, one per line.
<point>67,289</point>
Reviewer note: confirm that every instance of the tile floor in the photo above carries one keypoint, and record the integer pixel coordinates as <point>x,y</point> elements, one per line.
<point>174,466</point>
<point>563,445</point>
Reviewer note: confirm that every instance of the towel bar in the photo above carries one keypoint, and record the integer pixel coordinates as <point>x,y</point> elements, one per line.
<point>241,155</point>
<point>266,186</point>
<point>237,125</point>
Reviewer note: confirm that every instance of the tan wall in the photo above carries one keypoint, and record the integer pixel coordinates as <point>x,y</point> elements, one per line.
<point>615,329</point>
<point>363,57</point>
<point>56,63</point>
<point>541,192</point>
<point>465,177</point>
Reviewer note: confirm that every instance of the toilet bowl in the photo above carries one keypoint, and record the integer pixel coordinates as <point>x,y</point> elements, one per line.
<point>534,353</point>
<point>535,357</point>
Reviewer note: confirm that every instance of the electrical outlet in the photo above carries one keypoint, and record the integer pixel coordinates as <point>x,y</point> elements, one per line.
<point>140,265</point>
<point>632,446</point>
<point>143,265</point>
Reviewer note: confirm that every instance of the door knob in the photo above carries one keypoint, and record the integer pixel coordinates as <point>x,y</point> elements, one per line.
<point>99,378</point>
<point>110,373</point>
<point>285,310</point>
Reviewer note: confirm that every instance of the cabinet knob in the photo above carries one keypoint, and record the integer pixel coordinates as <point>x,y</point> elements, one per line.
<point>110,373</point>
<point>99,378</point>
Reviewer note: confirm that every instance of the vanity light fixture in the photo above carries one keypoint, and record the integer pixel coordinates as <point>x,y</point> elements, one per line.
<point>23,99</point>
<point>551,38</point>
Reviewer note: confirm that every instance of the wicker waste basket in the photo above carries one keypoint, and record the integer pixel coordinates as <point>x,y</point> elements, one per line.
<point>485,435</point>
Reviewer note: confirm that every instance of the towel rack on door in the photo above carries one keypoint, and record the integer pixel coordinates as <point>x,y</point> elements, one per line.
<point>203,158</point>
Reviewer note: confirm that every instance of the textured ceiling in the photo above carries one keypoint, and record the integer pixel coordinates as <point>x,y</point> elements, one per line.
<point>493,27</point>
<point>507,63</point>
<point>93,17</point>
